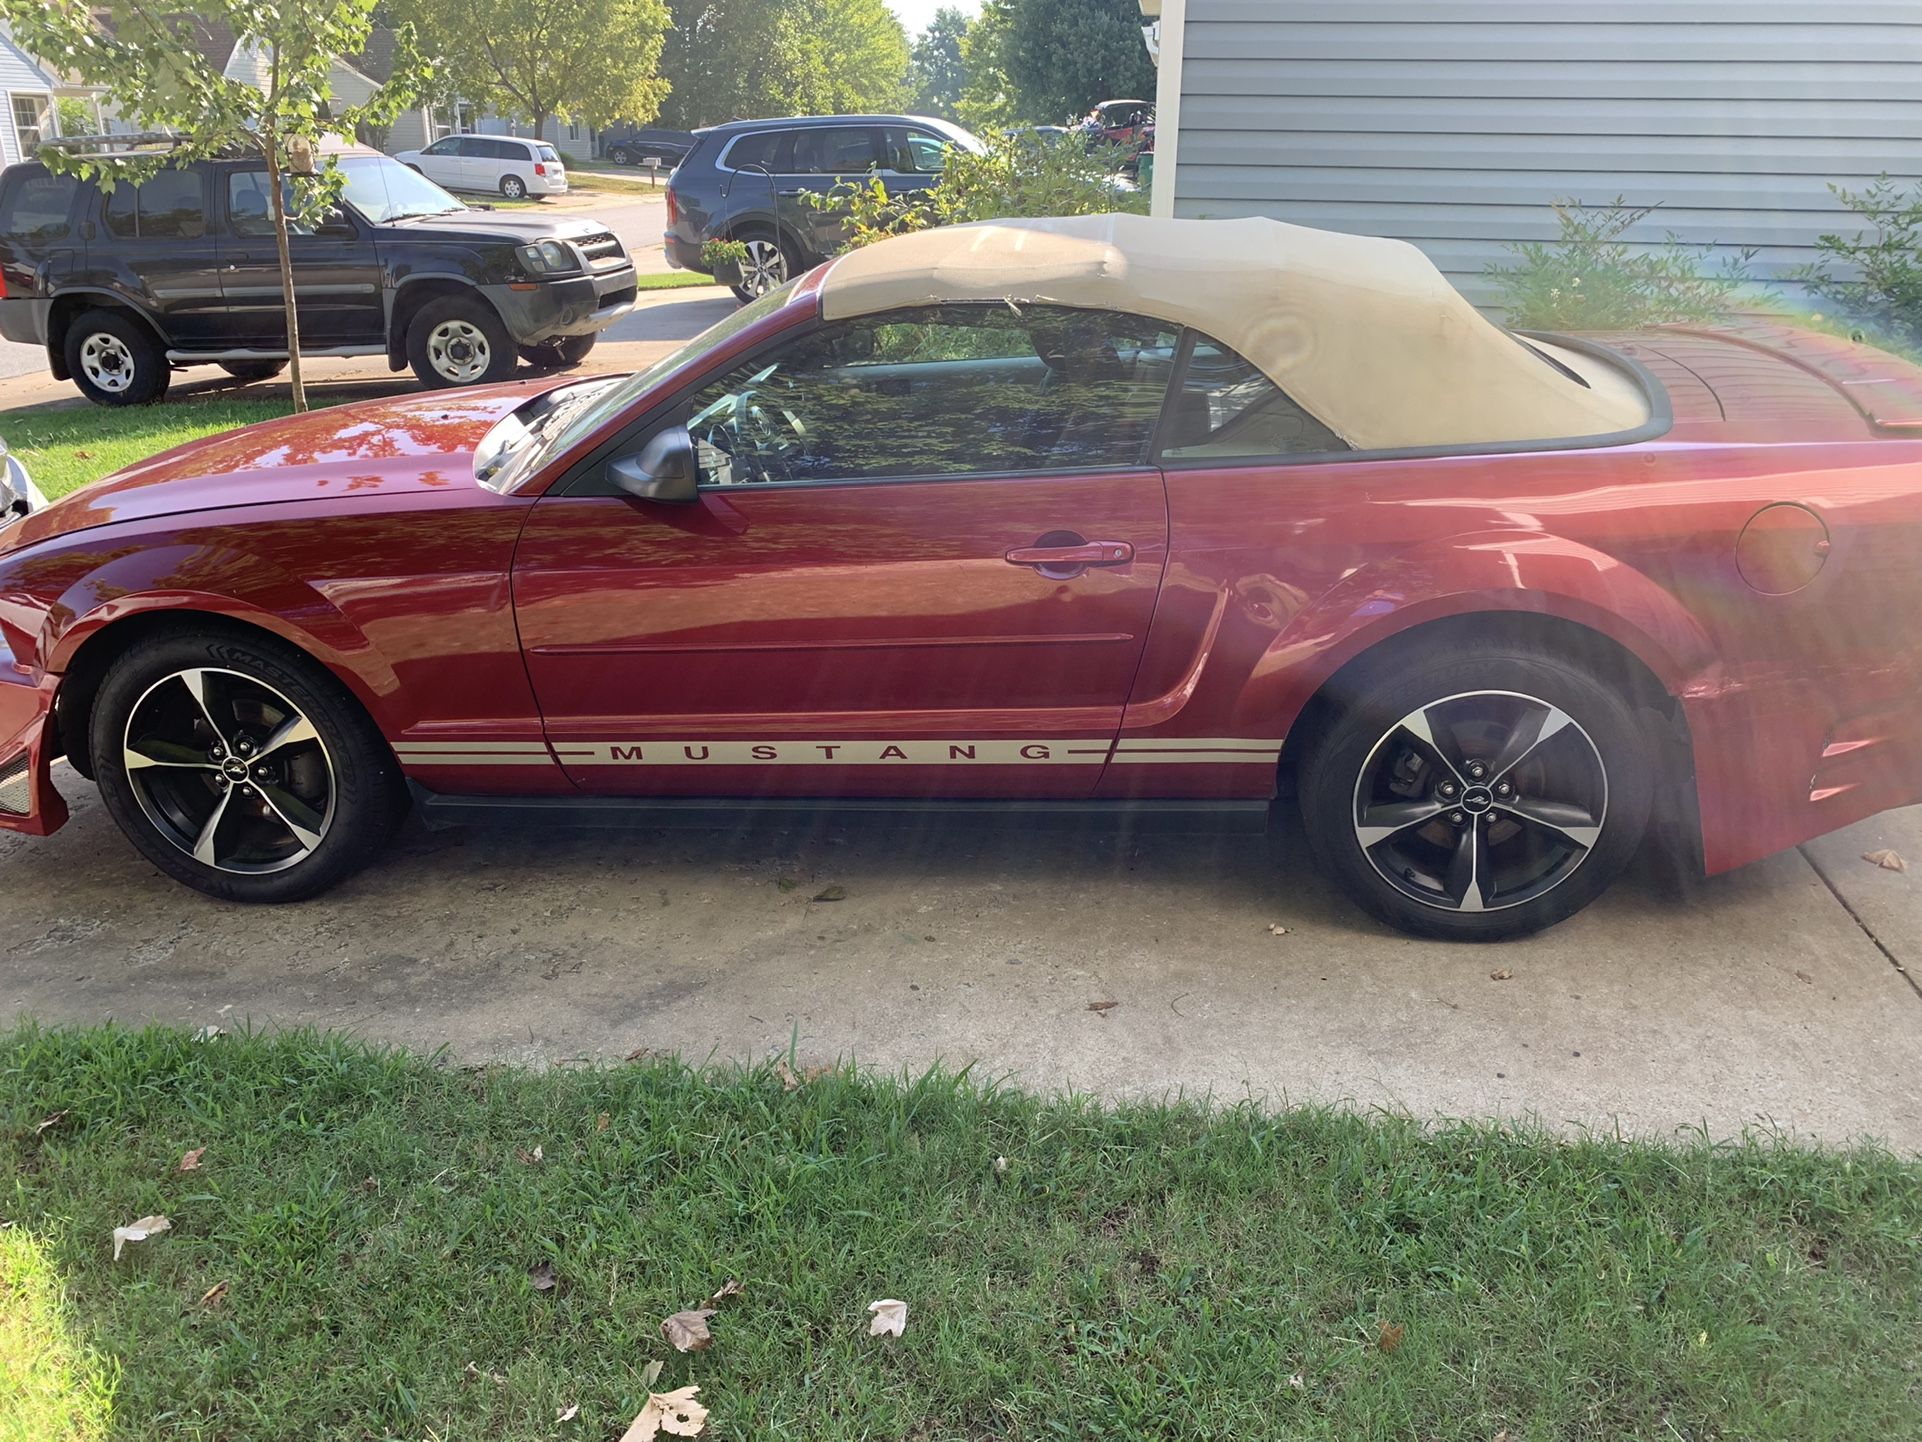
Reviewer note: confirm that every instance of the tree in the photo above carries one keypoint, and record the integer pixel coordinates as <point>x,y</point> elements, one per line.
<point>587,60</point>
<point>1043,62</point>
<point>161,81</point>
<point>938,70</point>
<point>747,59</point>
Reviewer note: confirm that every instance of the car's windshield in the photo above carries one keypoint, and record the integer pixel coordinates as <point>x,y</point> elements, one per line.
<point>523,442</point>
<point>384,190</point>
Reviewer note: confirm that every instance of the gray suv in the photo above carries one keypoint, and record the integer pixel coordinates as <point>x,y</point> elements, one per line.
<point>749,181</point>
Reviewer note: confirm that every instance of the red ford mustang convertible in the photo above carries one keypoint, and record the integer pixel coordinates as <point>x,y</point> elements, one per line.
<point>1114,515</point>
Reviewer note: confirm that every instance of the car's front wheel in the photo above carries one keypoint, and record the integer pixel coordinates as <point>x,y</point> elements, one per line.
<point>116,360</point>
<point>239,766</point>
<point>458,341</point>
<point>767,266</point>
<point>1478,796</point>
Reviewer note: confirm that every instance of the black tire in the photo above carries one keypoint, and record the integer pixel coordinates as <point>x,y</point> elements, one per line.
<point>115,360</point>
<point>620,156</point>
<point>567,350</point>
<point>249,371</point>
<point>1520,874</point>
<point>345,776</point>
<point>769,254</point>
<point>433,351</point>
<point>513,187</point>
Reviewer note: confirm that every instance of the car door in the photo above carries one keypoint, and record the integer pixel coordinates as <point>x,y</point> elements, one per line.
<point>922,562</point>
<point>824,157</point>
<point>169,256</point>
<point>337,273</point>
<point>440,162</point>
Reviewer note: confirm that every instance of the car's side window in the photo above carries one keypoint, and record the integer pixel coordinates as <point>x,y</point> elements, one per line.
<point>767,150</point>
<point>442,147</point>
<point>940,391</point>
<point>1226,408</point>
<point>248,214</point>
<point>834,150</point>
<point>916,152</point>
<point>170,205</point>
<point>36,208</point>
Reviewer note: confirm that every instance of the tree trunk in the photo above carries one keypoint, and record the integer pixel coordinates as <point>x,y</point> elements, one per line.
<point>278,202</point>
<point>540,124</point>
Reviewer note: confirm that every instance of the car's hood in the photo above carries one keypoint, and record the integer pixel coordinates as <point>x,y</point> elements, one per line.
<point>516,226</point>
<point>342,454</point>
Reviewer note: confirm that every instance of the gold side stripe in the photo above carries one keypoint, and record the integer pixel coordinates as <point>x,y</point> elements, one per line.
<point>1196,743</point>
<point>495,748</point>
<point>1198,758</point>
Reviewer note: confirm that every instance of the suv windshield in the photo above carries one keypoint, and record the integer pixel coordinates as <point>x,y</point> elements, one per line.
<point>385,190</point>
<point>552,424</point>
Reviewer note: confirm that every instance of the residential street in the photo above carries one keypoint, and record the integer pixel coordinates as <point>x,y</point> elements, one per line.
<point>1755,997</point>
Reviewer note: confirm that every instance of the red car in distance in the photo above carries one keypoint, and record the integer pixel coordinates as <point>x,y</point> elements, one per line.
<point>1123,517</point>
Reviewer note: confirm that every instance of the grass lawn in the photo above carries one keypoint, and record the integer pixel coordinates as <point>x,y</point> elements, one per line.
<point>64,449</point>
<point>356,1256</point>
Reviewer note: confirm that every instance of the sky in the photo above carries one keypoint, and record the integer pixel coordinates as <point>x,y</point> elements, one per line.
<point>915,14</point>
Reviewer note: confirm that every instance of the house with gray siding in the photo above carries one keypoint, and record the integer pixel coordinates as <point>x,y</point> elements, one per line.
<point>1455,124</point>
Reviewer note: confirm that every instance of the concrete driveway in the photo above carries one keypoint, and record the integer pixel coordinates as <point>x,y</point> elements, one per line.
<point>1775,995</point>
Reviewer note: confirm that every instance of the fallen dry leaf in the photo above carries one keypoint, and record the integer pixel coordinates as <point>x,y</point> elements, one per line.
<point>1103,1005</point>
<point>476,1374</point>
<point>687,1331</point>
<point>789,1081</point>
<point>650,1374</point>
<point>1275,928</point>
<point>530,1159</point>
<point>52,1121</point>
<point>541,1277</point>
<point>601,1122</point>
<point>83,455</point>
<point>676,1413</point>
<point>190,1162</point>
<point>1887,860</point>
<point>213,1294</point>
<point>568,1413</point>
<point>1390,1335</point>
<point>1297,1381</point>
<point>890,1317</point>
<point>1503,974</point>
<point>1805,978</point>
<point>1000,1166</point>
<point>729,1288</point>
<point>639,1052</point>
<point>831,893</point>
<point>208,1033</point>
<point>138,1232</point>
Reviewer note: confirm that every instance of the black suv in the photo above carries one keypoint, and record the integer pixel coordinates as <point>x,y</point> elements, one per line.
<point>749,181</point>
<point>125,286</point>
<point>646,145</point>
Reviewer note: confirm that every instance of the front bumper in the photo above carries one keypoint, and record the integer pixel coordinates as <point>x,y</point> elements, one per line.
<point>28,801</point>
<point>579,305</point>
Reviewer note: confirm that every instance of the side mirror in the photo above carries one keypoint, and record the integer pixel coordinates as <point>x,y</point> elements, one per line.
<point>665,469</point>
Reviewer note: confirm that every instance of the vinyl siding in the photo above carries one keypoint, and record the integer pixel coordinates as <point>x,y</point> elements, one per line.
<point>18,75</point>
<point>1455,125</point>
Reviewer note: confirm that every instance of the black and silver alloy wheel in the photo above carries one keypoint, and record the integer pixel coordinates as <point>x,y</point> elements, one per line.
<point>764,268</point>
<point>241,766</point>
<point>1481,801</point>
<point>229,770</point>
<point>1475,795</point>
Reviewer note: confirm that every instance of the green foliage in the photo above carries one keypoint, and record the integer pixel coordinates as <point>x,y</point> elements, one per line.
<point>281,108</point>
<point>722,258</point>
<point>1013,177</point>
<point>1590,278</point>
<point>75,116</point>
<point>938,67</point>
<point>1150,1270</point>
<point>742,59</point>
<point>1049,62</point>
<point>584,60</point>
<point>1875,276</point>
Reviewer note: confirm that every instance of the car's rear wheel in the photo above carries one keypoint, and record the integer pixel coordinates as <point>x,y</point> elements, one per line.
<point>457,341</point>
<point>770,263</point>
<point>249,371</point>
<point>1476,797</point>
<point>240,767</point>
<point>115,360</point>
<point>513,187</point>
<point>619,155</point>
<point>567,350</point>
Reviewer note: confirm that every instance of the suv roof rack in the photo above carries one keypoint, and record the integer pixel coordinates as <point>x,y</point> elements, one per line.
<point>105,147</point>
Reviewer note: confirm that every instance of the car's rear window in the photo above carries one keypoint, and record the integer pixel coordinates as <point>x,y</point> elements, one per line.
<point>35,208</point>
<point>547,152</point>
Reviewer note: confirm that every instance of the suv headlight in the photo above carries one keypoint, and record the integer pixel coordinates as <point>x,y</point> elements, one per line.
<point>549,257</point>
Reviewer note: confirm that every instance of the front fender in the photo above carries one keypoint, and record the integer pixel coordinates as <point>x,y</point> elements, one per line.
<point>227,582</point>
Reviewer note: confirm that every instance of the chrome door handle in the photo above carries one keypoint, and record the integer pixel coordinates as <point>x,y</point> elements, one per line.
<point>1065,561</point>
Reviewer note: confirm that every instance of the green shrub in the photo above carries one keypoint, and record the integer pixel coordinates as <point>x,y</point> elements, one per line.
<point>1015,176</point>
<point>1875,276</point>
<point>1589,278</point>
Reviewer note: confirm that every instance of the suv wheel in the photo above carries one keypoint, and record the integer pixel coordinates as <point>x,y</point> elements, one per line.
<point>115,360</point>
<point>567,350</point>
<point>620,156</point>
<point>1480,796</point>
<point>513,187</point>
<point>458,341</point>
<point>769,264</point>
<point>239,767</point>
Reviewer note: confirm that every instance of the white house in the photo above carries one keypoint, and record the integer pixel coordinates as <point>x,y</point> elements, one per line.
<point>29,96</point>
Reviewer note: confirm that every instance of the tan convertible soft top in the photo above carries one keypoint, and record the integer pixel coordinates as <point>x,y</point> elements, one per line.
<point>1364,333</point>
